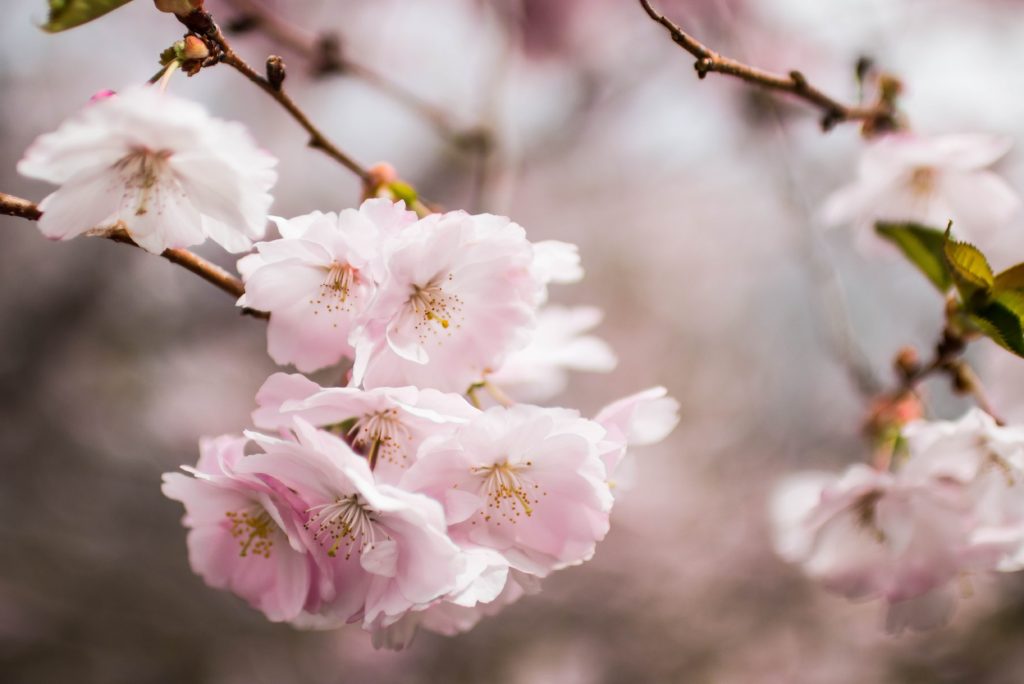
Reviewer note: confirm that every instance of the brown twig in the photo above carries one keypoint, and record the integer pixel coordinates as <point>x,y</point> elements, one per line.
<point>202,24</point>
<point>880,116</point>
<point>947,359</point>
<point>325,55</point>
<point>211,273</point>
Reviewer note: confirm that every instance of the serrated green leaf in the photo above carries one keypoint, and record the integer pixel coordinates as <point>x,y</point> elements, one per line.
<point>1010,279</point>
<point>1002,320</point>
<point>66,14</point>
<point>923,246</point>
<point>969,268</point>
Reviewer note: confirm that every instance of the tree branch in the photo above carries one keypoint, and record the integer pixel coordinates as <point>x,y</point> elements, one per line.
<point>324,53</point>
<point>947,359</point>
<point>211,273</point>
<point>881,116</point>
<point>202,24</point>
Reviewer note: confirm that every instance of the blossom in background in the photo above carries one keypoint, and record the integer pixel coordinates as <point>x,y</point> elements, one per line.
<point>525,481</point>
<point>954,506</point>
<point>319,278</point>
<point>929,180</point>
<point>157,166</point>
<point>243,536</point>
<point>459,295</point>
<point>559,344</point>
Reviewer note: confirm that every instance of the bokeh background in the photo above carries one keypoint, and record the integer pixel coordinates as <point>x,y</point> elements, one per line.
<point>694,206</point>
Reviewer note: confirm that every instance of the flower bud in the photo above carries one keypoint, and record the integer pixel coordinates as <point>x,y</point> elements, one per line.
<point>194,49</point>
<point>275,71</point>
<point>178,6</point>
<point>907,362</point>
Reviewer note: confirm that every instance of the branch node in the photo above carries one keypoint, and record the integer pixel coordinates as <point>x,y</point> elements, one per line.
<point>703,66</point>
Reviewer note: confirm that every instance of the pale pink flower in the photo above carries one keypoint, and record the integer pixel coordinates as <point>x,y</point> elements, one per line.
<point>386,424</point>
<point>559,344</point>
<point>485,587</point>
<point>988,462</point>
<point>383,549</point>
<point>157,166</point>
<point>555,261</point>
<point>319,279</point>
<point>460,294</point>
<point>243,535</point>
<point>866,535</point>
<point>640,419</point>
<point>525,481</point>
<point>929,180</point>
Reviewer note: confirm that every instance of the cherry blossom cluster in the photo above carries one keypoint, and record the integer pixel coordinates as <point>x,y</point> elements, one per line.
<point>952,507</point>
<point>397,501</point>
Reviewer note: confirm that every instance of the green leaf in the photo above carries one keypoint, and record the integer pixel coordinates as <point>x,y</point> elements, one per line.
<point>1010,279</point>
<point>1002,320</point>
<point>923,246</point>
<point>65,14</point>
<point>969,268</point>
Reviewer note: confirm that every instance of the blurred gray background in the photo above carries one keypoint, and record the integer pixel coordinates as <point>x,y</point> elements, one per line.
<point>693,204</point>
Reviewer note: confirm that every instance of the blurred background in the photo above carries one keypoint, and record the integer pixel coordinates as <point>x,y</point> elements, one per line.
<point>693,203</point>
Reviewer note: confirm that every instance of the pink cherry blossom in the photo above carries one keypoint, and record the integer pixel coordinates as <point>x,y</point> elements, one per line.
<point>559,344</point>
<point>987,460</point>
<point>485,587</point>
<point>640,419</point>
<point>243,536</point>
<point>460,294</point>
<point>930,180</point>
<point>384,550</point>
<point>385,424</point>
<point>319,278</point>
<point>865,534</point>
<point>157,166</point>
<point>525,481</point>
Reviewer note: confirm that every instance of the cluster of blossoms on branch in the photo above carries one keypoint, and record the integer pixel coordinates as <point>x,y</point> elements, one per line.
<point>952,507</point>
<point>943,501</point>
<point>399,500</point>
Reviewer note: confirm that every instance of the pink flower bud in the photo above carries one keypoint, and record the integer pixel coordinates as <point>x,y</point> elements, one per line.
<point>195,49</point>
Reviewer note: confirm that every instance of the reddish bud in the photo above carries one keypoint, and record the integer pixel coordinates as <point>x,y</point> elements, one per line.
<point>907,362</point>
<point>194,49</point>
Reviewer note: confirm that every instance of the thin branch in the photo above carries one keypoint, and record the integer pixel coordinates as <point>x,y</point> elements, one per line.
<point>16,206</point>
<point>210,272</point>
<point>877,117</point>
<point>324,53</point>
<point>947,359</point>
<point>202,24</point>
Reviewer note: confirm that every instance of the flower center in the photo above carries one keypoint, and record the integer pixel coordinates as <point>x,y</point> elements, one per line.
<point>381,434</point>
<point>922,181</point>
<point>435,309</point>
<point>337,292</point>
<point>346,522</point>
<point>142,170</point>
<point>864,511</point>
<point>509,491</point>
<point>252,528</point>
